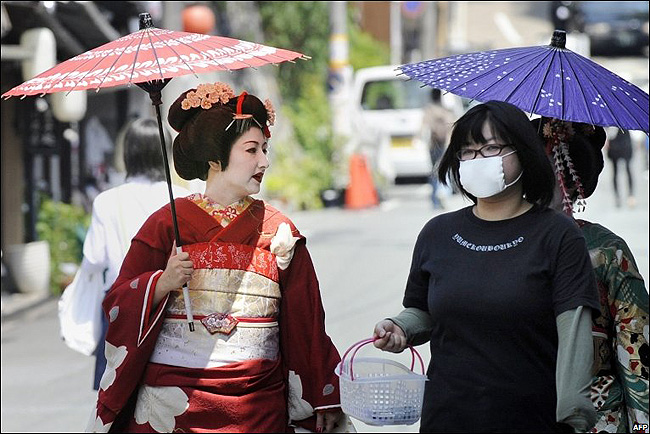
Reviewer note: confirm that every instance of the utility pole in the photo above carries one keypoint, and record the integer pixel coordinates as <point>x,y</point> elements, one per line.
<point>458,27</point>
<point>429,41</point>
<point>396,44</point>
<point>340,71</point>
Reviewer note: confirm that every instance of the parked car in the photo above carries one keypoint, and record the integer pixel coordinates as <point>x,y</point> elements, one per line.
<point>616,28</point>
<point>387,112</point>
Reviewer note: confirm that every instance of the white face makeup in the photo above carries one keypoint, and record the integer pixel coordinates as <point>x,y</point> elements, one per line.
<point>246,167</point>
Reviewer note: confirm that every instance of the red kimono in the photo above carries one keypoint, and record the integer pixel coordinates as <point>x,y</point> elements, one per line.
<point>261,362</point>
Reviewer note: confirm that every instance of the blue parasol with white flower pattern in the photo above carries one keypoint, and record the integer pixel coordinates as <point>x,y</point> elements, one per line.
<point>548,80</point>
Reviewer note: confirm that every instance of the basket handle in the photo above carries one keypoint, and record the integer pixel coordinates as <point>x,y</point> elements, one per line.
<point>361,342</point>
<point>356,347</point>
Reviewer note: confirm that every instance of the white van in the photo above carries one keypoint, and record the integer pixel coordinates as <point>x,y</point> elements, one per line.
<point>387,111</point>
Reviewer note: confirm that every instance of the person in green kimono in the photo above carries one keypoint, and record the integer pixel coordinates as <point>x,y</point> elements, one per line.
<point>619,388</point>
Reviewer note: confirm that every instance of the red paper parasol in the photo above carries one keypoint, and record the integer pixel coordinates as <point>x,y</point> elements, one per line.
<point>151,54</point>
<point>150,58</point>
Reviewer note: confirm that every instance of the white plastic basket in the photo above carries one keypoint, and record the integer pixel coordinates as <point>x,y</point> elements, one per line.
<point>380,391</point>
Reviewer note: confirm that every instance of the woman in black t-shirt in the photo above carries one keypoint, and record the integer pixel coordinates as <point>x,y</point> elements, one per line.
<point>502,289</point>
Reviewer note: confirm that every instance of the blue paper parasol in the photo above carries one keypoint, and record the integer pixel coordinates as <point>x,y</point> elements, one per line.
<point>548,80</point>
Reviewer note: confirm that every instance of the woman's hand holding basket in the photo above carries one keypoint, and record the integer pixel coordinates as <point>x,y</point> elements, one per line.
<point>389,337</point>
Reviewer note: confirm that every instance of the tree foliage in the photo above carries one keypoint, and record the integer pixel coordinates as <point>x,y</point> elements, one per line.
<point>365,50</point>
<point>301,171</point>
<point>298,26</point>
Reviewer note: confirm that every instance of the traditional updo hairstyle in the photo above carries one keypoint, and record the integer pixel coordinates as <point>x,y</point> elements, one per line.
<point>209,119</point>
<point>576,152</point>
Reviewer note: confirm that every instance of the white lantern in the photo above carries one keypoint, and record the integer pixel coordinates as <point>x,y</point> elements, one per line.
<point>41,44</point>
<point>68,107</point>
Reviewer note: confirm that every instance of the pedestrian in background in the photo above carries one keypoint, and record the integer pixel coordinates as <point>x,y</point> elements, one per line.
<point>118,213</point>
<point>259,359</point>
<point>619,149</point>
<point>619,388</point>
<point>503,290</point>
<point>436,125</point>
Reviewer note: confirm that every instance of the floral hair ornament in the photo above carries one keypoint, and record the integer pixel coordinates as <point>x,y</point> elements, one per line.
<point>558,134</point>
<point>270,115</point>
<point>206,95</point>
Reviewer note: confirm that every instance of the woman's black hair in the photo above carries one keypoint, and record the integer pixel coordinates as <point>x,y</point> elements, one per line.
<point>511,126</point>
<point>204,134</point>
<point>142,150</point>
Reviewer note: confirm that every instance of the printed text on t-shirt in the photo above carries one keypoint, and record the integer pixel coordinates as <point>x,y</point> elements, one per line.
<point>491,248</point>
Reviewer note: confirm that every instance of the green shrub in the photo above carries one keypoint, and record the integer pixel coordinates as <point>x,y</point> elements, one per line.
<point>64,226</point>
<point>301,170</point>
<point>297,178</point>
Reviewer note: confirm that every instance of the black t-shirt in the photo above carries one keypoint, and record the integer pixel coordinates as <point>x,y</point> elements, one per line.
<point>493,289</point>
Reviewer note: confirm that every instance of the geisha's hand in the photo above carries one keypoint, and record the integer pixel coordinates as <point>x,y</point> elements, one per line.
<point>177,273</point>
<point>326,420</point>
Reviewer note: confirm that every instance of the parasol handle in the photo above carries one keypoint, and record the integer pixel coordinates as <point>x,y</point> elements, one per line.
<point>154,88</point>
<point>187,301</point>
<point>177,234</point>
<point>186,291</point>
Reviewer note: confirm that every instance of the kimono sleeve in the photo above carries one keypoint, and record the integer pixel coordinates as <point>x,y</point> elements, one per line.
<point>627,301</point>
<point>309,355</point>
<point>133,325</point>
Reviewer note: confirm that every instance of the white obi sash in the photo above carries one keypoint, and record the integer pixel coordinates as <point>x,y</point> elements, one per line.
<point>230,279</point>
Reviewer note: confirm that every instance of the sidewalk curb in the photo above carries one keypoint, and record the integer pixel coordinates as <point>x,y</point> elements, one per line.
<point>14,305</point>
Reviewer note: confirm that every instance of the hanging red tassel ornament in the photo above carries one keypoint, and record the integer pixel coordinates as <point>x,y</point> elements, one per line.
<point>558,134</point>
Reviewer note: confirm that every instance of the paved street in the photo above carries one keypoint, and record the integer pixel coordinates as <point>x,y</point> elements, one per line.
<point>361,257</point>
<point>362,260</point>
<point>46,387</point>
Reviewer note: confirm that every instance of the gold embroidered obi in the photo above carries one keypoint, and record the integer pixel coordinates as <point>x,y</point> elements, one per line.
<point>229,279</point>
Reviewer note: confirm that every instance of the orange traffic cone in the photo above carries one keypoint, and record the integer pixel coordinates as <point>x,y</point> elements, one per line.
<point>361,192</point>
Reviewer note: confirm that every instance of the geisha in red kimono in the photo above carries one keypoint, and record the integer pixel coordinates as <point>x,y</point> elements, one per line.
<point>259,359</point>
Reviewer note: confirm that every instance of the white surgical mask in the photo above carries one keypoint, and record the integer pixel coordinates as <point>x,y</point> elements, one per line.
<point>484,177</point>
